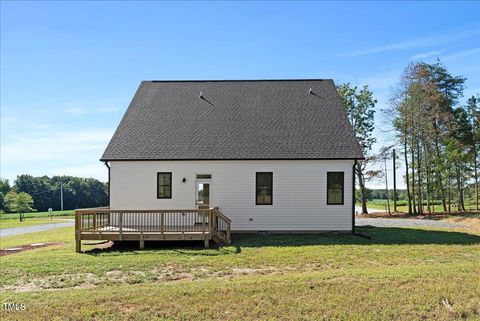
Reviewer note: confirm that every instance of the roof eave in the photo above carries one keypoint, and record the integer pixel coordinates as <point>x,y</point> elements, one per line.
<point>226,159</point>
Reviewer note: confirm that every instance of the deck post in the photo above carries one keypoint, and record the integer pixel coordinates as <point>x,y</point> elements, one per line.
<point>142,241</point>
<point>162,218</point>
<point>228,233</point>
<point>78,245</point>
<point>78,240</point>
<point>207,243</point>
<point>202,212</point>
<point>210,222</point>
<point>120,225</point>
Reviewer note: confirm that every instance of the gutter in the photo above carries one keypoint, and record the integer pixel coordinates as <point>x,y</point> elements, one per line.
<point>353,196</point>
<point>222,159</point>
<point>108,166</point>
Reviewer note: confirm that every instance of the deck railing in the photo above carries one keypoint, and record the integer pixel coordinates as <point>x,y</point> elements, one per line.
<point>221,225</point>
<point>210,223</point>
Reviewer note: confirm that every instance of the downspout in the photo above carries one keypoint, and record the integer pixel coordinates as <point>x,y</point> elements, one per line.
<point>108,166</point>
<point>353,196</point>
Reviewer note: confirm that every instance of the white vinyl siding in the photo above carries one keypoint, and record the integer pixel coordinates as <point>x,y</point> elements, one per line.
<point>299,191</point>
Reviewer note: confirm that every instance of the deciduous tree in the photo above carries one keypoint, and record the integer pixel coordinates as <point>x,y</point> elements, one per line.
<point>360,107</point>
<point>19,203</point>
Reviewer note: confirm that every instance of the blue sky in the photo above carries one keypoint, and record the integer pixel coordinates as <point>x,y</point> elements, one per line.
<point>70,69</point>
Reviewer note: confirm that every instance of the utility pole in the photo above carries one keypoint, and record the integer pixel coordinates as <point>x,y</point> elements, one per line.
<point>386,186</point>
<point>61,196</point>
<point>419,174</point>
<point>394,182</point>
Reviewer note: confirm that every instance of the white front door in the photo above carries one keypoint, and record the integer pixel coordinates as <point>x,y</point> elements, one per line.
<point>203,193</point>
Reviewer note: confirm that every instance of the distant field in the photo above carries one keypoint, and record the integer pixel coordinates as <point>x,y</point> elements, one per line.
<point>402,205</point>
<point>9,216</point>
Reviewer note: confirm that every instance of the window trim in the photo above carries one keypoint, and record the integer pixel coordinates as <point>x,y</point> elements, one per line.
<point>256,188</point>
<point>343,188</point>
<point>158,185</point>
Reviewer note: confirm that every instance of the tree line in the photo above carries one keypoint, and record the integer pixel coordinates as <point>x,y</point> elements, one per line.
<point>45,192</point>
<point>437,136</point>
<point>380,194</point>
<point>440,137</point>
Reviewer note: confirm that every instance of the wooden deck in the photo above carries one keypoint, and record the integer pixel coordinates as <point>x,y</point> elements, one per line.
<point>152,225</point>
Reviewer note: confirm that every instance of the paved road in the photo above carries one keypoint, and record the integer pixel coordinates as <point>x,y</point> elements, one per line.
<point>34,228</point>
<point>404,222</point>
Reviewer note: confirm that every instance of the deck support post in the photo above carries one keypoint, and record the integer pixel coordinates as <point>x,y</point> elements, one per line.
<point>78,236</point>
<point>142,241</point>
<point>162,222</point>
<point>120,225</point>
<point>207,243</point>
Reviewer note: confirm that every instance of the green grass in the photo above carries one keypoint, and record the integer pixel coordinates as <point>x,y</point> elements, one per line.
<point>402,206</point>
<point>397,274</point>
<point>15,216</point>
<point>12,223</point>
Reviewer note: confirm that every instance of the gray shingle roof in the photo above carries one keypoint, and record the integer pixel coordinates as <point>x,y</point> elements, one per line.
<point>257,119</point>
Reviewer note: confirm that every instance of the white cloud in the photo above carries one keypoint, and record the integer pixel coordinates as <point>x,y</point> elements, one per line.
<point>462,54</point>
<point>425,55</point>
<point>48,152</point>
<point>8,120</point>
<point>81,110</point>
<point>39,126</point>
<point>44,146</point>
<point>98,171</point>
<point>416,43</point>
<point>76,110</point>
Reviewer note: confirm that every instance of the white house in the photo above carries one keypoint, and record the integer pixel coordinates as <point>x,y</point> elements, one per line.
<point>271,155</point>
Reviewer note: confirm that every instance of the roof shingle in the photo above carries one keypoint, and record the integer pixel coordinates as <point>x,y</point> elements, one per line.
<point>258,119</point>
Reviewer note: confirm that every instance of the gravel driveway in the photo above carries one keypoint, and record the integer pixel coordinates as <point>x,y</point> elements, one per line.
<point>404,222</point>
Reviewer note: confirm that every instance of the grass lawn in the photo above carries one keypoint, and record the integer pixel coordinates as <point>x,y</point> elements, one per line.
<point>11,220</point>
<point>15,216</point>
<point>403,207</point>
<point>11,223</point>
<point>402,274</point>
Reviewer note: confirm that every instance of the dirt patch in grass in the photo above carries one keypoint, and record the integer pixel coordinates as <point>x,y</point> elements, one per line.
<point>166,274</point>
<point>100,245</point>
<point>21,248</point>
<point>473,224</point>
